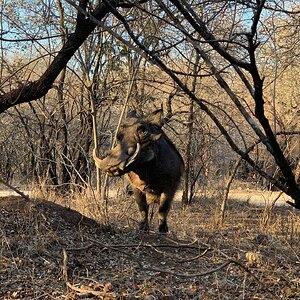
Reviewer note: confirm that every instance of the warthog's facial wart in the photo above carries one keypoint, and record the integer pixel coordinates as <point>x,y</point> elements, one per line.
<point>134,156</point>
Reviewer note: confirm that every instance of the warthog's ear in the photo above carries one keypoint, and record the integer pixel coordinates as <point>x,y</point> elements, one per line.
<point>148,155</point>
<point>156,117</point>
<point>131,114</point>
<point>155,137</point>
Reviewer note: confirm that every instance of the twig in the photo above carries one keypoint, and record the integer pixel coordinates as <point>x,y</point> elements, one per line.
<point>187,275</point>
<point>146,245</point>
<point>89,291</point>
<point>223,265</point>
<point>238,263</point>
<point>195,257</point>
<point>178,244</point>
<point>81,248</point>
<point>154,247</point>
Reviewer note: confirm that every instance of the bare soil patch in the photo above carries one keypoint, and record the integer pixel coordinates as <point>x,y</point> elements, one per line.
<point>52,252</point>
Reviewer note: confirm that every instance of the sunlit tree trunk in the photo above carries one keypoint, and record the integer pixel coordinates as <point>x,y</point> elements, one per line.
<point>187,185</point>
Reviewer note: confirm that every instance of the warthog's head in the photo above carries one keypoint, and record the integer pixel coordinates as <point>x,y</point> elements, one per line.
<point>134,144</point>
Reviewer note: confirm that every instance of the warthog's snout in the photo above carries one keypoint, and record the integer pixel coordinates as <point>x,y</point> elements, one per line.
<point>117,160</point>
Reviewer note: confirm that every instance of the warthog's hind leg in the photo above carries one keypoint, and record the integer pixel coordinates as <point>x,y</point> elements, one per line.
<point>163,210</point>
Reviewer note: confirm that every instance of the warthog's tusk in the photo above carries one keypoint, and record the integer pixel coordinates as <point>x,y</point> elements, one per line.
<point>134,155</point>
<point>97,160</point>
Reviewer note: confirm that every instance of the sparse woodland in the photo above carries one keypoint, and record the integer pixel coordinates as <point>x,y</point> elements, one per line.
<point>226,74</point>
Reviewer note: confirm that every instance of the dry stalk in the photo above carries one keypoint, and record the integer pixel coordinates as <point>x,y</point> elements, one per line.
<point>226,192</point>
<point>268,211</point>
<point>64,266</point>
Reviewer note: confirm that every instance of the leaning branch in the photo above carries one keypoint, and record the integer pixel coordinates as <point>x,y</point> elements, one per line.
<point>25,197</point>
<point>201,103</point>
<point>221,81</point>
<point>39,88</point>
<point>201,28</point>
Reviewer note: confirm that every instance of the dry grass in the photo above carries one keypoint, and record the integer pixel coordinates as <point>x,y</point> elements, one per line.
<point>245,259</point>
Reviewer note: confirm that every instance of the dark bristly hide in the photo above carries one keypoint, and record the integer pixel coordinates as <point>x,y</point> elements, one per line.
<point>149,160</point>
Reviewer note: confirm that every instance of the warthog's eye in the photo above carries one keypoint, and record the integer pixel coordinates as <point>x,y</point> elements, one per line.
<point>120,136</point>
<point>142,131</point>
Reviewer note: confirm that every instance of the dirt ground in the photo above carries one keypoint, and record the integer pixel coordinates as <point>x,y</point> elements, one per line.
<point>52,252</point>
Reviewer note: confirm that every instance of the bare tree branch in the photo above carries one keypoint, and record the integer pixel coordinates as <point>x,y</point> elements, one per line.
<point>35,90</point>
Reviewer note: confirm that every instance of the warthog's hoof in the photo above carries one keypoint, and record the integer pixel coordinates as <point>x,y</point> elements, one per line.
<point>163,228</point>
<point>144,226</point>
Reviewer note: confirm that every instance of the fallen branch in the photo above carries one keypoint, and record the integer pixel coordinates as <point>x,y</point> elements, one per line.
<point>147,245</point>
<point>243,267</point>
<point>80,290</point>
<point>187,275</point>
<point>153,269</point>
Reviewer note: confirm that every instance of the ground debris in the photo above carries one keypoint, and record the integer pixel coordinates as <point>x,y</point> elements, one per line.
<point>51,252</point>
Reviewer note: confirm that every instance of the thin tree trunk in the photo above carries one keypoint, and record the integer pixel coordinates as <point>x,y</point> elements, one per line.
<point>186,177</point>
<point>65,172</point>
<point>227,189</point>
<point>95,139</point>
<point>186,199</point>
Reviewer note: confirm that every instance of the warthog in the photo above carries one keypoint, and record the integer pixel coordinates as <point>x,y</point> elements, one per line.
<point>152,164</point>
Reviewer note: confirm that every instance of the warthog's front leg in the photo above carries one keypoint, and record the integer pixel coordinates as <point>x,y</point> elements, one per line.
<point>163,210</point>
<point>140,199</point>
